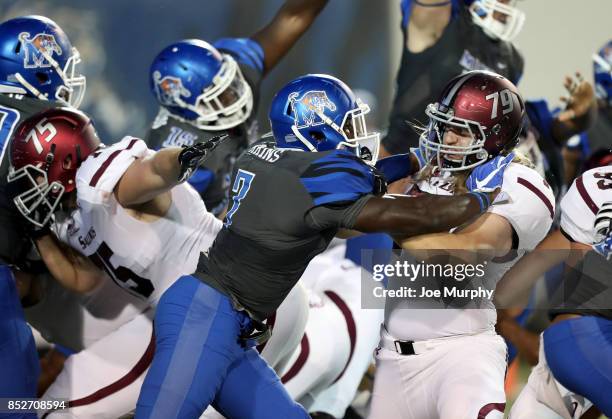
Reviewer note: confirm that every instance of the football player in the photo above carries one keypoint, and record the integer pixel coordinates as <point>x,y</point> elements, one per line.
<point>478,116</point>
<point>440,40</point>
<point>129,215</point>
<point>290,195</point>
<point>574,359</point>
<point>204,89</point>
<point>38,70</point>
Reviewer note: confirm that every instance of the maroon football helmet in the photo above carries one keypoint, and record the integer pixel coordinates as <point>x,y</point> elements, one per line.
<point>484,104</point>
<point>45,152</point>
<point>599,158</point>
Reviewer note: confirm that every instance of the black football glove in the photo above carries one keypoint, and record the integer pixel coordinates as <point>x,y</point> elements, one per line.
<point>380,182</point>
<point>191,157</point>
<point>37,231</point>
<point>603,220</point>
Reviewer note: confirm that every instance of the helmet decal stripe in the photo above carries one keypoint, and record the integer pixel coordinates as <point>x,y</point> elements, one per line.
<point>453,91</point>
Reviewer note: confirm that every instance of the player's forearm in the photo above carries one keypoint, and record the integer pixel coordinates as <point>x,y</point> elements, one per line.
<point>64,267</point>
<point>290,22</point>
<point>147,178</point>
<point>512,291</point>
<point>447,241</point>
<point>408,217</point>
<point>165,170</point>
<point>564,130</point>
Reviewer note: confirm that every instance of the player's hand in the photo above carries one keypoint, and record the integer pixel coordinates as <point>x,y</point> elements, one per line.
<point>417,152</point>
<point>603,227</point>
<point>490,175</point>
<point>191,157</point>
<point>579,100</point>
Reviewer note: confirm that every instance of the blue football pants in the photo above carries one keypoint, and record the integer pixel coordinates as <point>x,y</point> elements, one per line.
<point>200,361</point>
<point>19,366</point>
<point>579,354</point>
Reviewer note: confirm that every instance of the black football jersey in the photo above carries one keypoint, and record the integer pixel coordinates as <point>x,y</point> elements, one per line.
<point>171,132</point>
<point>285,207</point>
<point>422,76</point>
<point>14,243</point>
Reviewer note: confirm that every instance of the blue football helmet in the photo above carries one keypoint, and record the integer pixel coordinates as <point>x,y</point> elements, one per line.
<point>602,66</point>
<point>195,83</point>
<point>317,112</point>
<point>38,60</point>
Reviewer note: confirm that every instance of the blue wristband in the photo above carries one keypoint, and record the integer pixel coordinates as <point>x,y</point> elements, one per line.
<point>483,200</point>
<point>63,350</point>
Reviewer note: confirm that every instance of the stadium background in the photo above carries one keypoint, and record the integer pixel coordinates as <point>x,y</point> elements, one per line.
<point>356,40</point>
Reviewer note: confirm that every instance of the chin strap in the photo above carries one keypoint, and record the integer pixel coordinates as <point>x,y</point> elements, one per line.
<point>302,139</point>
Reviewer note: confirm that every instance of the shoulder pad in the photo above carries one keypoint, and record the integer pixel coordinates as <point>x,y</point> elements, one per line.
<point>99,173</point>
<point>338,177</point>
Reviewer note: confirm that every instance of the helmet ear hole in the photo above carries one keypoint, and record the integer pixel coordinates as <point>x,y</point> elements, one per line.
<point>67,163</point>
<point>317,136</point>
<point>18,48</point>
<point>42,78</point>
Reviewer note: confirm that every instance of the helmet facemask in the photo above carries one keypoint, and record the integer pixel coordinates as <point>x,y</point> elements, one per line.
<point>72,91</point>
<point>432,141</point>
<point>40,198</point>
<point>226,103</point>
<point>498,20</point>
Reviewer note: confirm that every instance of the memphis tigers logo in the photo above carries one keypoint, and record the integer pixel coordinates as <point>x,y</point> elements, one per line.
<point>38,49</point>
<point>169,88</point>
<point>308,108</point>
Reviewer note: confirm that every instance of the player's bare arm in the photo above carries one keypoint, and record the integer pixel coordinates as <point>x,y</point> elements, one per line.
<point>150,179</point>
<point>406,216</point>
<point>513,291</point>
<point>73,270</point>
<point>290,22</point>
<point>488,232</point>
<point>514,287</point>
<point>428,19</point>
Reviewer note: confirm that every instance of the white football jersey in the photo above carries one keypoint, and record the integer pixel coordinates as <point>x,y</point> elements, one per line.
<point>144,258</point>
<point>530,211</point>
<point>582,201</point>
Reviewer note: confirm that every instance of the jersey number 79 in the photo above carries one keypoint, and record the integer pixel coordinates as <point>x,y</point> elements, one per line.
<point>241,187</point>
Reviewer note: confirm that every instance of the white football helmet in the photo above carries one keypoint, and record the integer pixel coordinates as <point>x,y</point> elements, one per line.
<point>499,19</point>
